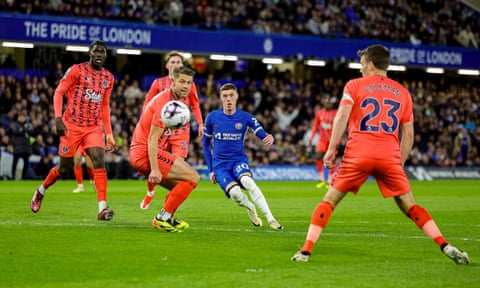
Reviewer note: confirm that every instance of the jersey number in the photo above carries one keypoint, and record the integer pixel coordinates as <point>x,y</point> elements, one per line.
<point>391,107</point>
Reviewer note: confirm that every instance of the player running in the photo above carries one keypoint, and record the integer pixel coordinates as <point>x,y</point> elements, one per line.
<point>322,124</point>
<point>376,109</point>
<point>179,141</point>
<point>149,156</point>
<point>228,165</point>
<point>88,87</point>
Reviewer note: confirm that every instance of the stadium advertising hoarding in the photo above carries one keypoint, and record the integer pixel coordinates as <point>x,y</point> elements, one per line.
<point>119,34</point>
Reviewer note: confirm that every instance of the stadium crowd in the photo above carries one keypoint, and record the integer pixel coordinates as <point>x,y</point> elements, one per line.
<point>446,109</point>
<point>441,23</point>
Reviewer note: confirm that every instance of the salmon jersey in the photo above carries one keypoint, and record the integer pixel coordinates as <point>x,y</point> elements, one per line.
<point>191,100</point>
<point>380,106</point>
<point>88,95</point>
<point>151,115</point>
<point>323,124</point>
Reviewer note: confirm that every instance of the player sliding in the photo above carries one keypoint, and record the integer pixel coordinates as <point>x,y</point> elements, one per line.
<point>150,157</point>
<point>376,109</point>
<point>228,166</point>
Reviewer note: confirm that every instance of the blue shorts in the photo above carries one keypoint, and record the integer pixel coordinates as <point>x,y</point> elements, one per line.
<point>227,173</point>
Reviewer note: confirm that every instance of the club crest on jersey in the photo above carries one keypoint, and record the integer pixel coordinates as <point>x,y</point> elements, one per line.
<point>238,126</point>
<point>87,79</point>
<point>92,96</point>
<point>65,149</point>
<point>105,83</point>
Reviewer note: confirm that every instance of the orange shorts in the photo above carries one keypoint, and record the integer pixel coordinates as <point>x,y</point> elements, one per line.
<point>322,146</point>
<point>178,142</point>
<point>389,174</point>
<point>139,161</point>
<point>84,137</point>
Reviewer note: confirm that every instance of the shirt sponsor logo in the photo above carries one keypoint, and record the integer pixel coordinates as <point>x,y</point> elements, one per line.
<point>93,96</point>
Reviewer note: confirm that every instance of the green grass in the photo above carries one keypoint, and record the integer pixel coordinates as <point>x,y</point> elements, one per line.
<point>368,243</point>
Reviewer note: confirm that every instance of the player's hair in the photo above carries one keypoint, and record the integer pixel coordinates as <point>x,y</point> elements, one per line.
<point>378,54</point>
<point>174,54</point>
<point>228,86</point>
<point>182,70</point>
<point>98,43</point>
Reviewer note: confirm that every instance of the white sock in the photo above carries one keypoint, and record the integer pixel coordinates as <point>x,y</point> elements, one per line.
<point>240,198</point>
<point>41,189</point>
<point>80,185</point>
<point>257,196</point>
<point>151,193</point>
<point>102,205</point>
<point>164,215</point>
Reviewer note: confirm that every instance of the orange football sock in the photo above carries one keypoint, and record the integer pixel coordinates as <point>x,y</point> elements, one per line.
<point>177,195</point>
<point>90,173</point>
<point>424,221</point>
<point>150,186</point>
<point>100,183</point>
<point>78,172</point>
<point>52,177</point>
<point>319,164</point>
<point>319,221</point>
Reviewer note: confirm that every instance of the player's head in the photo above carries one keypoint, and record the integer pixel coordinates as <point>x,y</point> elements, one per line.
<point>330,102</point>
<point>229,97</point>
<point>374,58</point>
<point>182,81</point>
<point>172,60</point>
<point>98,53</point>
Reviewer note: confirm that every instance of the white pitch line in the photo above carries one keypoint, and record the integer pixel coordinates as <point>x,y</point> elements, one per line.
<point>258,230</point>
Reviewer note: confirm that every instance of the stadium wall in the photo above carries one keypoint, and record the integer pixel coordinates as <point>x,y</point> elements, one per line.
<point>57,31</point>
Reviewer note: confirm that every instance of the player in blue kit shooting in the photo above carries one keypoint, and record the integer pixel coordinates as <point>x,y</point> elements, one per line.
<point>228,165</point>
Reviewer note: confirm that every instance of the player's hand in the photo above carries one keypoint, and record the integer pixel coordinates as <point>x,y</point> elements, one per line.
<point>268,140</point>
<point>155,177</point>
<point>200,131</point>
<point>329,158</point>
<point>111,144</point>
<point>61,129</point>
<point>213,179</point>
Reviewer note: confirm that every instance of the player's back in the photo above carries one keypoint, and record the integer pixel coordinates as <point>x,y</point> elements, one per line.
<point>380,106</point>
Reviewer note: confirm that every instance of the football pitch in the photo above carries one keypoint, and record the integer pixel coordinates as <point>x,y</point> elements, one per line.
<point>368,242</point>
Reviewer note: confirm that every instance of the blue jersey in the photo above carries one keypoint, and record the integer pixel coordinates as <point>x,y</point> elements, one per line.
<point>228,134</point>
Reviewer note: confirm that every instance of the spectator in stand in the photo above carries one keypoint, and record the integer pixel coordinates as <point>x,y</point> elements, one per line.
<point>20,132</point>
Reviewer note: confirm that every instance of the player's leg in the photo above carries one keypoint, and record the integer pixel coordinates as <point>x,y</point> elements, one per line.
<point>259,199</point>
<point>53,175</point>
<point>319,153</point>
<point>95,148</point>
<point>425,222</point>
<point>68,146</point>
<point>90,167</point>
<point>78,171</point>
<point>348,178</point>
<point>185,179</point>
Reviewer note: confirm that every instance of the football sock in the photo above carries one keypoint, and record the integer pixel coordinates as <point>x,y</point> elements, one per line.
<point>102,205</point>
<point>257,196</point>
<point>151,193</point>
<point>240,198</point>
<point>100,183</point>
<point>424,221</point>
<point>318,222</point>
<point>151,187</point>
<point>163,215</point>
<point>52,177</point>
<point>90,173</point>
<point>177,195</point>
<point>319,164</point>
<point>78,172</point>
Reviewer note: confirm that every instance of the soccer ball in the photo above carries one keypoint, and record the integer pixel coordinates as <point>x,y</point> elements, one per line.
<point>175,114</point>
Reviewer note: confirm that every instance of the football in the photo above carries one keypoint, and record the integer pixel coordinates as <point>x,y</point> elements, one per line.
<point>175,114</point>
